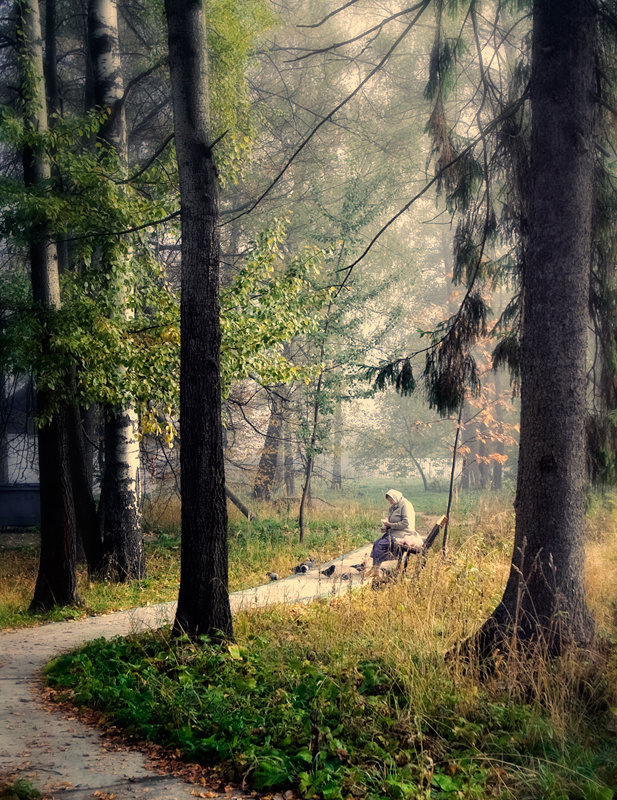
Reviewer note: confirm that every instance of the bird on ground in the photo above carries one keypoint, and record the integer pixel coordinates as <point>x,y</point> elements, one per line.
<point>328,571</point>
<point>272,575</point>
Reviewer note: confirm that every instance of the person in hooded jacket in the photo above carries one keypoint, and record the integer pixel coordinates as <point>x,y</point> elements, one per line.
<point>399,527</point>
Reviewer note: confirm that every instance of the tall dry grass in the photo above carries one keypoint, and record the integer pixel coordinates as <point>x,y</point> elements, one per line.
<point>411,624</point>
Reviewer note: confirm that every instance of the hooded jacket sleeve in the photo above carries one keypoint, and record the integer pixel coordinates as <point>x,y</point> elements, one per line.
<point>403,516</point>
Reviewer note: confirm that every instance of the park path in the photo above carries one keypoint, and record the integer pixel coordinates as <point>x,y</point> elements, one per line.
<point>65,758</point>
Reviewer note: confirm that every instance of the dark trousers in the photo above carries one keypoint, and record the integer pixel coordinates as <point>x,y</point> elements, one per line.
<point>383,549</point>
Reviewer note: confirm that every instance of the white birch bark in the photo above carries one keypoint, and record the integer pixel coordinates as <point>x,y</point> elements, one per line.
<point>121,507</point>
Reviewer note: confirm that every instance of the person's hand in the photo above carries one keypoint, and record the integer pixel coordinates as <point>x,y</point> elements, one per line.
<point>385,523</point>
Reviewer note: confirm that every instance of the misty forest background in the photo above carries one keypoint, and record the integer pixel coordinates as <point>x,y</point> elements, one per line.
<point>261,262</point>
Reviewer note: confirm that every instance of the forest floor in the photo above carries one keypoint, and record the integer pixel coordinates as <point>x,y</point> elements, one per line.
<point>63,756</point>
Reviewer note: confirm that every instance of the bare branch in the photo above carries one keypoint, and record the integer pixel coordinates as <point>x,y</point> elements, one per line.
<point>328,16</point>
<point>150,161</point>
<point>134,81</point>
<point>423,5</point>
<point>377,27</point>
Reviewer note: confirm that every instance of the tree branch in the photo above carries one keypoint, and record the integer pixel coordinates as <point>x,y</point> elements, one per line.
<point>134,81</point>
<point>101,234</point>
<point>328,16</point>
<point>149,162</point>
<point>377,27</point>
<point>423,5</point>
<point>506,113</point>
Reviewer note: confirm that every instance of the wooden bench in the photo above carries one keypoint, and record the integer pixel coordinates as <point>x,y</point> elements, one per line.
<point>404,551</point>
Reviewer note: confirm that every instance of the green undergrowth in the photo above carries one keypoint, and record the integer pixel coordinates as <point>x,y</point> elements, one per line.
<point>309,698</point>
<point>353,697</point>
<point>19,790</point>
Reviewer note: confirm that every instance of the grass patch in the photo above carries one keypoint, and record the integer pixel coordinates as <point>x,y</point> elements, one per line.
<point>267,544</point>
<point>352,697</point>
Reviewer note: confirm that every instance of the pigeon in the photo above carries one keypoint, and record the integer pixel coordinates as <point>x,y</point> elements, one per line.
<point>273,576</point>
<point>303,567</point>
<point>359,567</point>
<point>328,571</point>
<point>345,576</point>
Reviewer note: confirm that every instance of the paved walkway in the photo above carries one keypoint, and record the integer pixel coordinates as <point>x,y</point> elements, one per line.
<point>67,759</point>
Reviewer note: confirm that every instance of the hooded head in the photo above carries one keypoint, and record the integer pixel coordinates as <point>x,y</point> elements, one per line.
<point>396,496</point>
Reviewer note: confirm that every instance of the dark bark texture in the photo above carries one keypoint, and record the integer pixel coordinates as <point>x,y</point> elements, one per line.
<point>544,599</point>
<point>203,601</point>
<point>88,533</point>
<point>56,580</point>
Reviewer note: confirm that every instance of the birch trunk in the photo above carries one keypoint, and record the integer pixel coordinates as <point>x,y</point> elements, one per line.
<point>203,601</point>
<point>120,510</point>
<point>56,582</point>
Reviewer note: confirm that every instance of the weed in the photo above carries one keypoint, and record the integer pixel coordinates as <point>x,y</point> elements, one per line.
<point>19,790</point>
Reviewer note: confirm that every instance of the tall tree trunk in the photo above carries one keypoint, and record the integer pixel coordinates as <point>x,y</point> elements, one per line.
<point>545,595</point>
<point>52,87</point>
<point>123,546</point>
<point>497,478</point>
<point>88,536</point>
<point>56,582</point>
<point>483,464</point>
<point>464,481</point>
<point>120,513</point>
<point>306,497</point>
<point>305,500</point>
<point>203,600</point>
<point>269,460</point>
<point>88,532</point>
